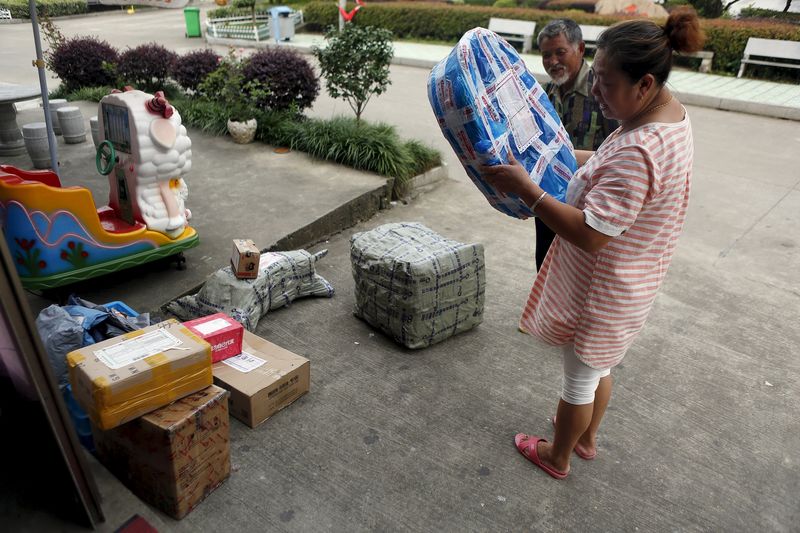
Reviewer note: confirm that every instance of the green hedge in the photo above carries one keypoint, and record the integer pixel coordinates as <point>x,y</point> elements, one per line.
<point>726,38</point>
<point>756,13</point>
<point>436,21</point>
<point>52,8</point>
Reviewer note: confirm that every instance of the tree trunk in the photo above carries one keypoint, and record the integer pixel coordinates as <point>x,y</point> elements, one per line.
<point>787,6</point>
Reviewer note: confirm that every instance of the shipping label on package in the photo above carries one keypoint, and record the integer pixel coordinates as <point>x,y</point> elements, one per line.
<point>129,351</point>
<point>245,362</point>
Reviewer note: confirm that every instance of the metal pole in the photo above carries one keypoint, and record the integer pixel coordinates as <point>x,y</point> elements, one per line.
<point>39,64</point>
<point>343,6</point>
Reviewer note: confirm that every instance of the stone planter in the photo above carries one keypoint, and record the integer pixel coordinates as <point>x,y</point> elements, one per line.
<point>242,132</point>
<point>72,126</point>
<point>95,129</point>
<point>55,105</point>
<point>35,136</point>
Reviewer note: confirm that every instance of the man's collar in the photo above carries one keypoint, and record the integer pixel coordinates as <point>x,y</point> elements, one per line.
<point>581,85</point>
<point>582,81</point>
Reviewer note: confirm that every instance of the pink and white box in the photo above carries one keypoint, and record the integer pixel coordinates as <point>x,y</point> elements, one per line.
<point>222,332</point>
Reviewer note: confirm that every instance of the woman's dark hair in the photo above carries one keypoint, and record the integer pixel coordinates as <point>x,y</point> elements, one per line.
<point>639,47</point>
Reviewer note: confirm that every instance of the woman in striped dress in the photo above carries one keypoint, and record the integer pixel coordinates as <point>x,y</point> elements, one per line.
<point>617,231</point>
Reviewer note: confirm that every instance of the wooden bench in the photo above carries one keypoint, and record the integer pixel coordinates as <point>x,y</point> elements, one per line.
<point>515,30</point>
<point>590,34</point>
<point>774,49</point>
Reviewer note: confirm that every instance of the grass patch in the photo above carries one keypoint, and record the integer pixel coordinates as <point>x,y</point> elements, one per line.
<point>364,146</point>
<point>361,145</point>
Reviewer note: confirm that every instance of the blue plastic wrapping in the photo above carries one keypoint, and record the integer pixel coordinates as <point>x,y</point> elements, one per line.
<point>487,104</point>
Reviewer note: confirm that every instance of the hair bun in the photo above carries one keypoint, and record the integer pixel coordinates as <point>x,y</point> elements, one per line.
<point>683,30</point>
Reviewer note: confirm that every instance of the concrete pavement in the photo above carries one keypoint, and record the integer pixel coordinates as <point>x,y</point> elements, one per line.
<point>702,432</point>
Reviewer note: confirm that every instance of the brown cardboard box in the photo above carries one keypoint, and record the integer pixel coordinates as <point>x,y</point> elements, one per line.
<point>269,387</point>
<point>175,456</point>
<point>245,259</point>
<point>123,378</point>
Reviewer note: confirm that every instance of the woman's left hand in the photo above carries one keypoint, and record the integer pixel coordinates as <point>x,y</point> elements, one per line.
<point>509,179</point>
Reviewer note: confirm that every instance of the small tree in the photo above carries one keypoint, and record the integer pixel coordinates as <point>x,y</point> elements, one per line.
<point>355,64</point>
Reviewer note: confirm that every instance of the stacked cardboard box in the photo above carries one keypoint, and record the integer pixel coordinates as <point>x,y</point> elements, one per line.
<point>158,421</point>
<point>264,379</point>
<point>175,456</point>
<point>121,379</point>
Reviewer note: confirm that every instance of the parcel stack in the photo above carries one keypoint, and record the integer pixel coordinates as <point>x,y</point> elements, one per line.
<point>415,285</point>
<point>177,453</point>
<point>158,421</point>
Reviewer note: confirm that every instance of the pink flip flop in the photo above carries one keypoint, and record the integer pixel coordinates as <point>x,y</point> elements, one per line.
<point>579,450</point>
<point>527,447</point>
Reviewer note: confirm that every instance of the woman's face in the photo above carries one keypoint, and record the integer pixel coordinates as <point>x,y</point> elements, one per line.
<point>619,98</point>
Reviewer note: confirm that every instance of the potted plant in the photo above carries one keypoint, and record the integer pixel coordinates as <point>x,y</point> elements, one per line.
<point>242,123</point>
<point>239,98</point>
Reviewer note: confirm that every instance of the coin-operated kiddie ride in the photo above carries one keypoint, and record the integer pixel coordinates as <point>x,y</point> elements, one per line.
<point>58,236</point>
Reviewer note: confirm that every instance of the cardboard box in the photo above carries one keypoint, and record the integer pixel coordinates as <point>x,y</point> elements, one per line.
<point>123,378</point>
<point>222,332</point>
<point>263,380</point>
<point>245,259</point>
<point>175,456</point>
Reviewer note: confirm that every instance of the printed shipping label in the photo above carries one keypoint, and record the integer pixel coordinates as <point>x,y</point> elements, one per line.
<point>212,326</point>
<point>130,351</point>
<point>244,362</point>
<point>514,104</point>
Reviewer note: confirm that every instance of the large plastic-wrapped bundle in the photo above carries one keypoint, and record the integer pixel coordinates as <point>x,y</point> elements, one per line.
<point>282,277</point>
<point>487,103</point>
<point>416,286</point>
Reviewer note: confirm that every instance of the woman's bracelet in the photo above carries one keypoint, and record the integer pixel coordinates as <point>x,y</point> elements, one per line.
<point>539,200</point>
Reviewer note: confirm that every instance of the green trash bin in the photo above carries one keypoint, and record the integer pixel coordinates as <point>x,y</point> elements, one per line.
<point>192,16</point>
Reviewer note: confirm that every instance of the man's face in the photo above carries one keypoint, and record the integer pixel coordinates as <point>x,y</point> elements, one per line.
<point>562,61</point>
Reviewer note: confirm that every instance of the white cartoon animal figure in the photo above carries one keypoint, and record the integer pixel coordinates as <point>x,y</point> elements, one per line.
<point>153,152</point>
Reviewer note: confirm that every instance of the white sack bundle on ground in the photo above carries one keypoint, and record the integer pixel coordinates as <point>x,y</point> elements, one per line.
<point>282,278</point>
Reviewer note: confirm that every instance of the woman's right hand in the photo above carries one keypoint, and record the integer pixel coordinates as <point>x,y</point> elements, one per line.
<point>510,179</point>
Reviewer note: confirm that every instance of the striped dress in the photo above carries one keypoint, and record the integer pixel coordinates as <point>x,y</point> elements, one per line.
<point>636,189</point>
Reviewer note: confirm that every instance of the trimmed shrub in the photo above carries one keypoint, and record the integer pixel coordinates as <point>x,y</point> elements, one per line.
<point>587,6</point>
<point>146,67</point>
<point>84,62</point>
<point>51,8</point>
<point>726,38</point>
<point>505,3</point>
<point>287,75</point>
<point>191,69</point>
<point>756,13</point>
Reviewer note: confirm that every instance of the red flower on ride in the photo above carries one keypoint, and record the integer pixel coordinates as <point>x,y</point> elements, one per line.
<point>84,254</point>
<point>71,245</point>
<point>64,255</point>
<point>42,264</point>
<point>26,244</point>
